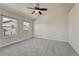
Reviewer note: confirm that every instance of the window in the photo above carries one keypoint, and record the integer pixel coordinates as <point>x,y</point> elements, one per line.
<point>9,26</point>
<point>26,25</point>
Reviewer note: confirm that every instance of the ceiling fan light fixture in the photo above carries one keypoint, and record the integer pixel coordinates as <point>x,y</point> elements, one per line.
<point>37,9</point>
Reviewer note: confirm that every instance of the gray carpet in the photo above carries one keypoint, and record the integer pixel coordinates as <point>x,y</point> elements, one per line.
<point>38,47</point>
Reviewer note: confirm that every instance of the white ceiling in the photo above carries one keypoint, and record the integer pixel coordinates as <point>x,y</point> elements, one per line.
<point>22,7</point>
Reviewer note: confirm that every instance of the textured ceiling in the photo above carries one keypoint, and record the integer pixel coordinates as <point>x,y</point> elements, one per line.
<point>22,7</point>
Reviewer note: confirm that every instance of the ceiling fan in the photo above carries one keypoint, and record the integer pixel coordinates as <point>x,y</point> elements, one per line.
<point>37,9</point>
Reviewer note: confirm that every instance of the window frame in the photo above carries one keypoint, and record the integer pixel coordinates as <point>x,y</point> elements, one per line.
<point>3,16</point>
<point>27,27</point>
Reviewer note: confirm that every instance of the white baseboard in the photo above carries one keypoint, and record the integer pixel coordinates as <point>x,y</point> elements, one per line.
<point>55,38</point>
<point>9,42</point>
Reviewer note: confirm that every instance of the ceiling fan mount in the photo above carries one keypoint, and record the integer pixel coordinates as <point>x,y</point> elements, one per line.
<point>37,8</point>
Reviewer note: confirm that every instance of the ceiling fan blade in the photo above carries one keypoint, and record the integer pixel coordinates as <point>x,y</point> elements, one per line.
<point>43,9</point>
<point>33,12</point>
<point>31,8</point>
<point>40,13</point>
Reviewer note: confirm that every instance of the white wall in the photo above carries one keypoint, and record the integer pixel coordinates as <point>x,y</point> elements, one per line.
<point>53,25</point>
<point>74,27</point>
<point>21,35</point>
